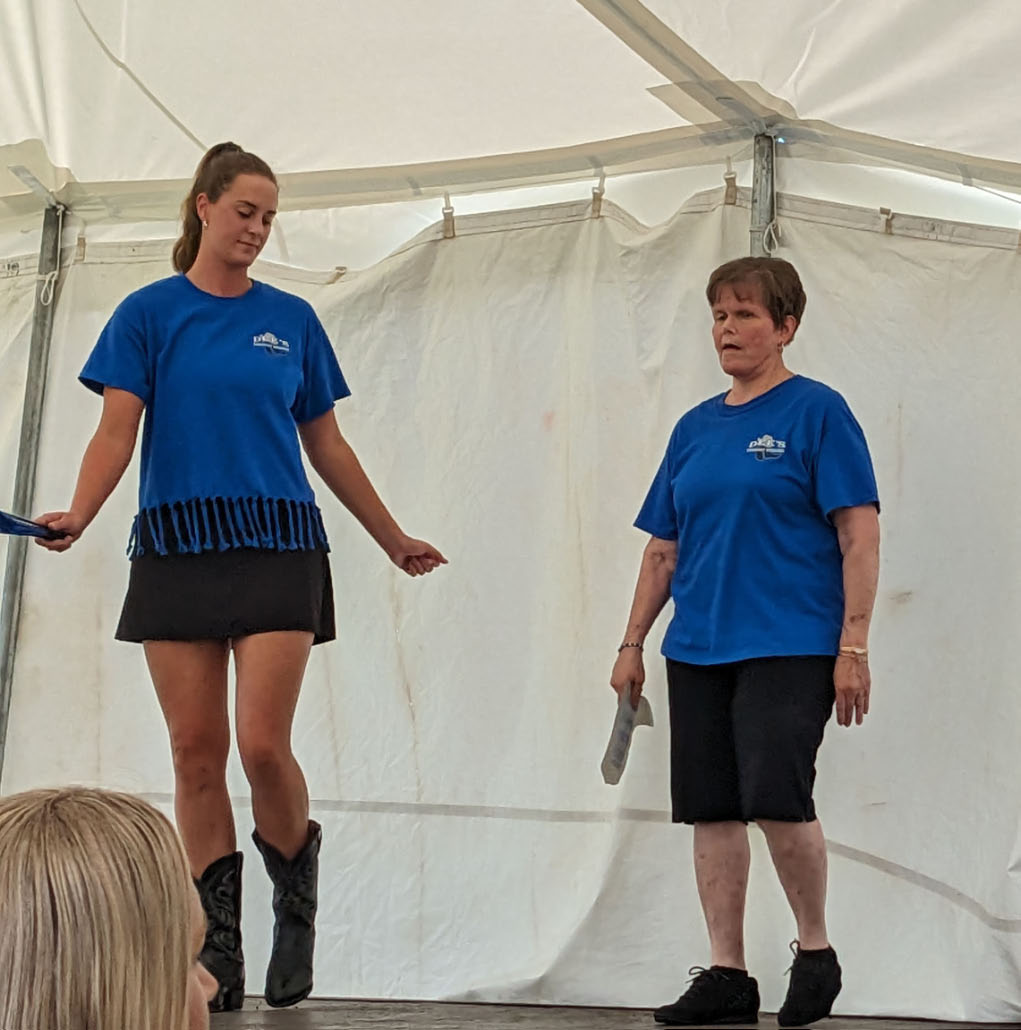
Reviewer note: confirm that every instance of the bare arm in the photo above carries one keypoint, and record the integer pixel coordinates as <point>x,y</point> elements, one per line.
<point>103,464</point>
<point>332,457</point>
<point>651,592</point>
<point>858,536</point>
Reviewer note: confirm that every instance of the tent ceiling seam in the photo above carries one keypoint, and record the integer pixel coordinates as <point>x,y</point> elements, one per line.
<point>148,93</point>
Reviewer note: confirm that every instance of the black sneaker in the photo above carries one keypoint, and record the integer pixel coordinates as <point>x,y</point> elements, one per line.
<point>814,986</point>
<point>717,996</point>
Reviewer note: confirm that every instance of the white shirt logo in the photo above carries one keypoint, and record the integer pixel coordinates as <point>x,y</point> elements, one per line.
<point>271,343</point>
<point>766,448</point>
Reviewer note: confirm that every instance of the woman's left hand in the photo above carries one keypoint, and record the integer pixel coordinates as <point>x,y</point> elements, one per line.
<point>853,683</point>
<point>416,557</point>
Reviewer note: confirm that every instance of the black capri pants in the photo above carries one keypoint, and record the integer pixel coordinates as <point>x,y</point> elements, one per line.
<point>744,736</point>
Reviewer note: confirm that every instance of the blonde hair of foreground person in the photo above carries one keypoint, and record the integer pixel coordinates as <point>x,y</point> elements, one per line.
<point>100,925</point>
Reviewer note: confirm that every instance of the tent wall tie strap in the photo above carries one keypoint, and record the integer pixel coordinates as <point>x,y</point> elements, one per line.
<point>448,218</point>
<point>771,236</point>
<point>49,280</point>
<point>730,185</point>
<point>887,215</point>
<point>598,193</point>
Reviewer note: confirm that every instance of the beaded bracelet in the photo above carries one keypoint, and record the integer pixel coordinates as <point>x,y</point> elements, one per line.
<point>629,643</point>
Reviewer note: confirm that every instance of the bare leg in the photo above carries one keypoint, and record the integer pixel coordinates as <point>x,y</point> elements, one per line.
<point>270,667</point>
<point>722,857</point>
<point>191,683</point>
<point>799,855</point>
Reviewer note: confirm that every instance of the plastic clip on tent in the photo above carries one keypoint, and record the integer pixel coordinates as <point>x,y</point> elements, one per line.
<point>624,723</point>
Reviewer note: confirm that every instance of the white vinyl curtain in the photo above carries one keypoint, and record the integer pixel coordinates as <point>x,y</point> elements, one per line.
<point>514,388</point>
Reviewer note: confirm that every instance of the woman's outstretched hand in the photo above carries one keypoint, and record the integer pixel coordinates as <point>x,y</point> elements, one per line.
<point>416,557</point>
<point>66,522</point>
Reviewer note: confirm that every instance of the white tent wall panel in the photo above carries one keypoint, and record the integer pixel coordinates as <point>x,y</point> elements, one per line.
<point>920,332</point>
<point>81,695</point>
<point>17,294</point>
<point>464,936</point>
<point>490,396</point>
<point>17,298</point>
<point>924,357</point>
<point>514,389</point>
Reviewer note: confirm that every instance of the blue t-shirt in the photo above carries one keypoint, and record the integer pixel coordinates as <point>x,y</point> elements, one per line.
<point>747,492</point>
<point>225,382</point>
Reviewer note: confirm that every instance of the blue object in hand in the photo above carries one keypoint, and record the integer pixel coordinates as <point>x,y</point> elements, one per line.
<point>15,525</point>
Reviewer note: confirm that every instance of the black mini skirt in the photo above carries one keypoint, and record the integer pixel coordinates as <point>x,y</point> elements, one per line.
<point>221,595</point>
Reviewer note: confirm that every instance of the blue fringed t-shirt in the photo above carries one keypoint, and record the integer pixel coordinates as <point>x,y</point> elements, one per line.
<point>748,492</point>
<point>225,382</point>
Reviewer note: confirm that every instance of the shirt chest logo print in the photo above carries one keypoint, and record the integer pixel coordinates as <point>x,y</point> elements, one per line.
<point>766,448</point>
<point>271,343</point>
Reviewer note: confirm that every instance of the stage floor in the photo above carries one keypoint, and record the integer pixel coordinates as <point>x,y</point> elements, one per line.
<point>388,1015</point>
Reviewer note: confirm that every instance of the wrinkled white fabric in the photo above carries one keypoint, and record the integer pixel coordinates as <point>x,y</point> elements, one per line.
<point>513,392</point>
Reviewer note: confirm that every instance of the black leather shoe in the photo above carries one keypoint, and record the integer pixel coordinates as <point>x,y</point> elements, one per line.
<point>815,984</point>
<point>717,996</point>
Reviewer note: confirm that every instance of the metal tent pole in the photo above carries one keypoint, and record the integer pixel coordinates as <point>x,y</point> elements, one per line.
<point>763,193</point>
<point>28,450</point>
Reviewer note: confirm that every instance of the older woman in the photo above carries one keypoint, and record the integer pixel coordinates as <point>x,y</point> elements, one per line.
<point>100,924</point>
<point>764,529</point>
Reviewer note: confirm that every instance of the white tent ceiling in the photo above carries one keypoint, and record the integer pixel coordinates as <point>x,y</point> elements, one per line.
<point>362,103</point>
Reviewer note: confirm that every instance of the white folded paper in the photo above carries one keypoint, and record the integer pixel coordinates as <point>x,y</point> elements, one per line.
<point>624,723</point>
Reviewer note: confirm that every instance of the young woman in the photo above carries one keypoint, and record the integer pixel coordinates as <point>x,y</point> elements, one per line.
<point>228,549</point>
<point>100,925</point>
